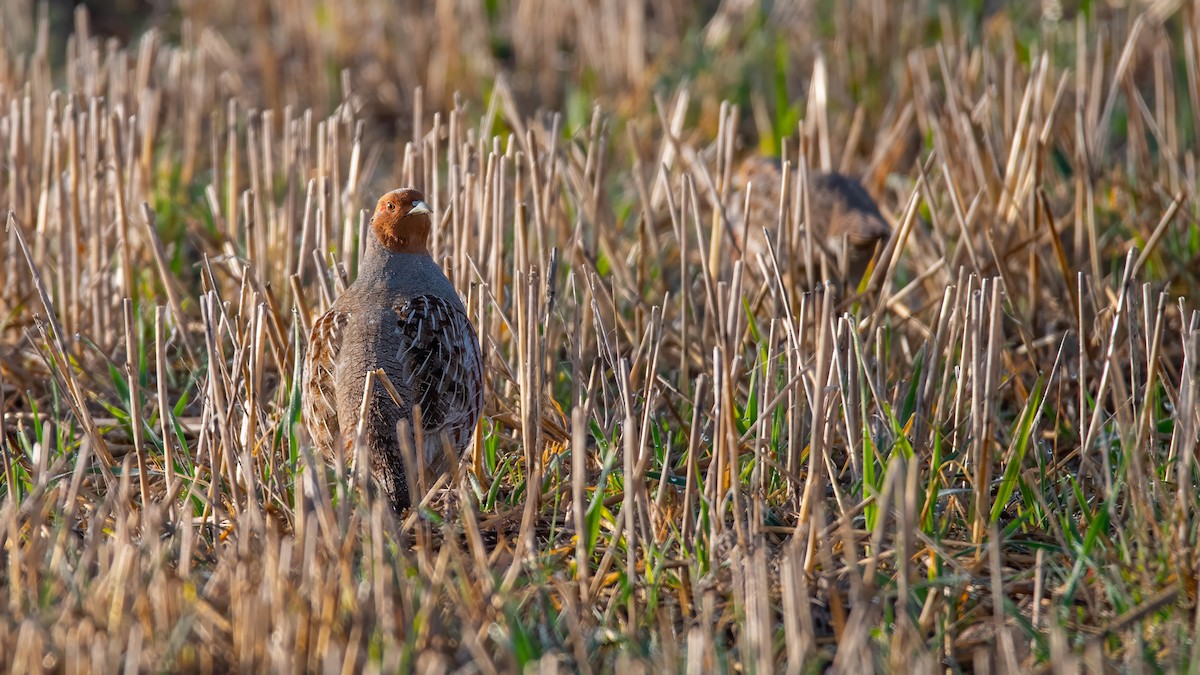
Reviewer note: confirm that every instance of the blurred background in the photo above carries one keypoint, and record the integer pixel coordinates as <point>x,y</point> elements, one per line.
<point>557,55</point>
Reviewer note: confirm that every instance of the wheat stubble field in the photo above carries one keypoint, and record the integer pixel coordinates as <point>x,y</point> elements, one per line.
<point>982,459</point>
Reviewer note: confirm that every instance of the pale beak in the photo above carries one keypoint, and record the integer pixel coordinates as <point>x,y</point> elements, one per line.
<point>418,208</point>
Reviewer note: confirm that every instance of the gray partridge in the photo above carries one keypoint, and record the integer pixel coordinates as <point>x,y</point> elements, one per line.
<point>401,314</point>
<point>840,207</point>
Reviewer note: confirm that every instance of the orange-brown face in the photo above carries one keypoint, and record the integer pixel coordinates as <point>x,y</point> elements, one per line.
<point>401,221</point>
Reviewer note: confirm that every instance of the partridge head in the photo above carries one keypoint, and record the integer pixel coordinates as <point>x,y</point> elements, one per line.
<point>402,222</point>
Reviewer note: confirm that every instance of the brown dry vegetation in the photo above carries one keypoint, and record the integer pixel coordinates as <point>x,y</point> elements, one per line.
<point>982,458</point>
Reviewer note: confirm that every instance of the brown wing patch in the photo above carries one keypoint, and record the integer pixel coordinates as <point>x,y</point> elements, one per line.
<point>440,369</point>
<point>319,395</point>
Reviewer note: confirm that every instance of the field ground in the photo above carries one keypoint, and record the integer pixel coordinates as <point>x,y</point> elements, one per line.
<point>981,459</point>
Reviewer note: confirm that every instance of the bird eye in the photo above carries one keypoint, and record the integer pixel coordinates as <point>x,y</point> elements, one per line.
<point>391,206</point>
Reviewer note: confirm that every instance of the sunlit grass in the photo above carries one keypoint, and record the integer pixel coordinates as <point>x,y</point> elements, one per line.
<point>981,457</point>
